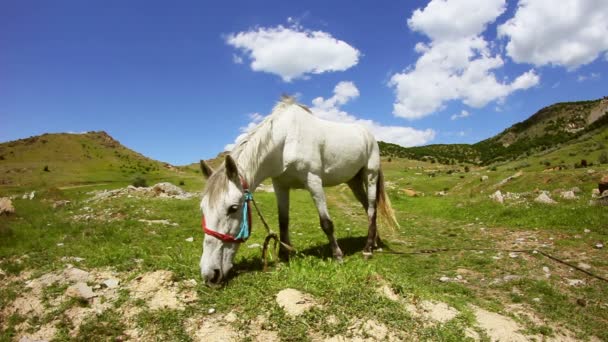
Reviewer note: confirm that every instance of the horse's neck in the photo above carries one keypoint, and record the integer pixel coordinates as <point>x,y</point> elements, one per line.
<point>259,163</point>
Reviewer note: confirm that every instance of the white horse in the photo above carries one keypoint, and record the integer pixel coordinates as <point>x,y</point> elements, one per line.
<point>298,151</point>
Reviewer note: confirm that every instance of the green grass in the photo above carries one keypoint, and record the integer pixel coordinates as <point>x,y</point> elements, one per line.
<point>466,218</point>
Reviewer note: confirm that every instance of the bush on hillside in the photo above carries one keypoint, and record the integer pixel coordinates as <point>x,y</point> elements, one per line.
<point>139,182</point>
<point>181,182</point>
<point>603,158</point>
<point>46,169</point>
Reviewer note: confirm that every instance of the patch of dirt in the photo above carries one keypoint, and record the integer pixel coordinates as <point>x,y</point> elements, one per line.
<point>160,291</point>
<point>211,329</point>
<point>499,327</point>
<point>432,311</point>
<point>360,331</point>
<point>45,333</point>
<point>295,302</point>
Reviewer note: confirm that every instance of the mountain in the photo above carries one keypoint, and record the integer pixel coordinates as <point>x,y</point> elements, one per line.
<point>549,127</point>
<point>70,159</point>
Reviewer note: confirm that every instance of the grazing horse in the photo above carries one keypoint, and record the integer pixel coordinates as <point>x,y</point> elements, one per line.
<point>297,150</point>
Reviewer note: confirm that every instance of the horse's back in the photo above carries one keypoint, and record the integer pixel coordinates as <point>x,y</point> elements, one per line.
<point>334,151</point>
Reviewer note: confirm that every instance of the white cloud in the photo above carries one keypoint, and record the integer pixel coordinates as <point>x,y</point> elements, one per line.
<point>237,59</point>
<point>293,52</point>
<point>329,109</point>
<point>463,114</point>
<point>592,76</point>
<point>457,63</point>
<point>568,33</point>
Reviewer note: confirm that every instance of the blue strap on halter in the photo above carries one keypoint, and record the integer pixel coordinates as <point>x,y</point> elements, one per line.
<point>244,232</point>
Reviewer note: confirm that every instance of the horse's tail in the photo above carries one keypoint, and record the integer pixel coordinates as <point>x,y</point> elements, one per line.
<point>384,203</point>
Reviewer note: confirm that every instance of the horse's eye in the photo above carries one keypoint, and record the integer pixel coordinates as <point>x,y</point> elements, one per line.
<point>233,209</point>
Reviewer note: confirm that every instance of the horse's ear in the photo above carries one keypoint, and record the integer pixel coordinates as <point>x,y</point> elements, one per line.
<point>231,169</point>
<point>206,169</point>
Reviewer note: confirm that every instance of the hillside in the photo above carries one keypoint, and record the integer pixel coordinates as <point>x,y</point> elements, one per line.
<point>553,125</point>
<point>71,159</point>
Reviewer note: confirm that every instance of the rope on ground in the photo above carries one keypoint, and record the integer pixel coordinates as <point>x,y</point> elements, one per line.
<point>529,251</point>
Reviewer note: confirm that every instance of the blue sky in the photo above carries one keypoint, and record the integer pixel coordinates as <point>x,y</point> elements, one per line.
<point>180,81</point>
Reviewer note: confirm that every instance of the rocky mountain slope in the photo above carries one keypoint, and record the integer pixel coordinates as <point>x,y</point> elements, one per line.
<point>557,124</point>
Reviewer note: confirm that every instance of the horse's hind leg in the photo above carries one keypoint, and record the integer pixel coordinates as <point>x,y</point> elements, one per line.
<point>282,196</point>
<point>357,185</point>
<point>314,185</point>
<point>372,232</point>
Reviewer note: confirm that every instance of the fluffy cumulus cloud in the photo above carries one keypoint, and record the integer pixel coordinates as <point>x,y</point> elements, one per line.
<point>293,52</point>
<point>329,109</point>
<point>457,63</point>
<point>567,33</point>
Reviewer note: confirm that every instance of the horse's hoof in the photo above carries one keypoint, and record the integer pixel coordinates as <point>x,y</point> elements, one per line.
<point>367,255</point>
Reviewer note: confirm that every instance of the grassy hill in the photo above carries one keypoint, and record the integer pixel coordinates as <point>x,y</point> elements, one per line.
<point>65,159</point>
<point>551,126</point>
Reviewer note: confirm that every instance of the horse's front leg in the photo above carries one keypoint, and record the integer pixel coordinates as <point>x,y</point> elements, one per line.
<point>314,185</point>
<point>282,196</point>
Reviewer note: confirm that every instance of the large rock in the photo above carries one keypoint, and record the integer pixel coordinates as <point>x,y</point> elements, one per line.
<point>6,206</point>
<point>497,196</point>
<point>569,195</point>
<point>544,198</point>
<point>167,189</point>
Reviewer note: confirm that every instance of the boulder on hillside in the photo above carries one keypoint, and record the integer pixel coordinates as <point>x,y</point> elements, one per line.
<point>484,178</point>
<point>6,206</point>
<point>167,189</point>
<point>497,197</point>
<point>544,198</point>
<point>569,195</point>
<point>576,189</point>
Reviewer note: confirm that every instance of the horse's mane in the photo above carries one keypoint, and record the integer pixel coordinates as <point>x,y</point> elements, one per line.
<point>258,140</point>
<point>248,150</point>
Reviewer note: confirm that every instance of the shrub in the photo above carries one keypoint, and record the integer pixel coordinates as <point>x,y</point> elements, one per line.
<point>493,168</point>
<point>467,169</point>
<point>181,182</point>
<point>139,182</point>
<point>603,159</point>
<point>46,169</point>
<point>583,163</point>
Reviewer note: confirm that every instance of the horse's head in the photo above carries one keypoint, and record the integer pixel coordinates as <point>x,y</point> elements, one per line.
<point>226,220</point>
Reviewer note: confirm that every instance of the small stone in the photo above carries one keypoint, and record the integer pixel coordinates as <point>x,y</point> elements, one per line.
<point>581,302</point>
<point>444,279</point>
<point>254,245</point>
<point>80,290</point>
<point>536,299</point>
<point>544,198</point>
<point>587,231</point>
<point>584,266</point>
<point>513,255</point>
<point>111,283</point>
<point>599,245</point>
<point>230,317</point>
<point>575,282</point>
<point>211,311</point>
<point>190,239</point>
<point>60,244</point>
<point>546,269</point>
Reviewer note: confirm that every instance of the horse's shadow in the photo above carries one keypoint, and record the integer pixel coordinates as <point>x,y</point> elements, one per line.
<point>349,245</point>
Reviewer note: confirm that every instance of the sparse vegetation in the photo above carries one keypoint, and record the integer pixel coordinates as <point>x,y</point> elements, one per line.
<point>139,182</point>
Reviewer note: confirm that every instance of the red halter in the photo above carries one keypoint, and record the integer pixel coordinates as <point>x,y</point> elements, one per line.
<point>226,237</point>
